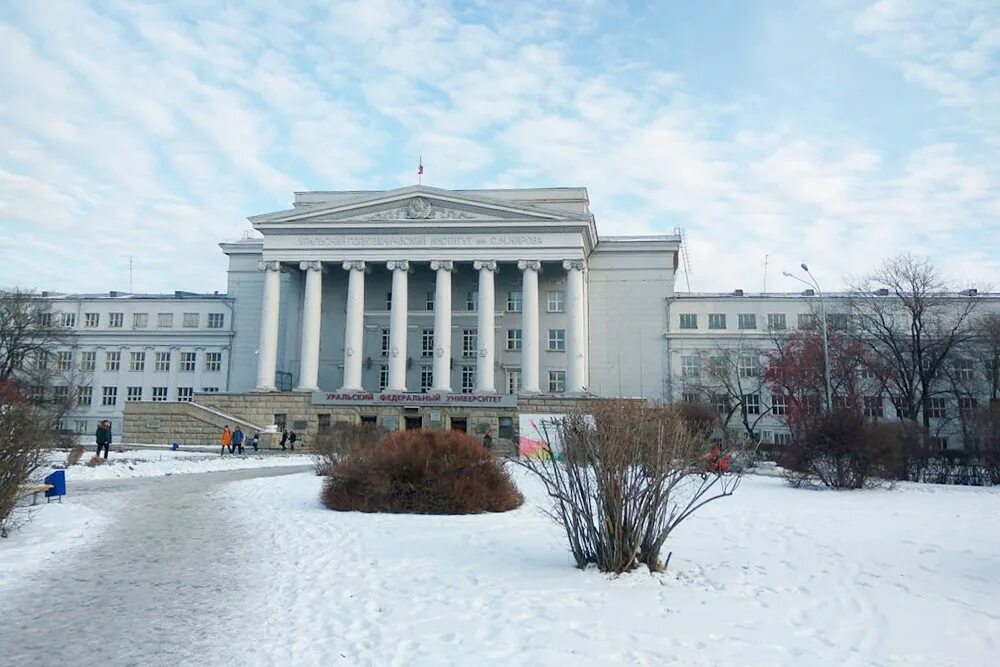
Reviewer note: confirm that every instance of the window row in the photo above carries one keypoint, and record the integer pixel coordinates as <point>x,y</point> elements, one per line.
<point>160,361</point>
<point>775,321</point>
<point>873,406</point>
<point>467,381</point>
<point>556,341</point>
<point>139,320</point>
<point>555,301</point>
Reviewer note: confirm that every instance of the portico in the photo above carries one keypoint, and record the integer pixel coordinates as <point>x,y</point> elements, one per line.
<point>463,245</point>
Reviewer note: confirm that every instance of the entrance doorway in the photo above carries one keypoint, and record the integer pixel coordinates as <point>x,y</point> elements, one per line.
<point>413,423</point>
<point>460,424</point>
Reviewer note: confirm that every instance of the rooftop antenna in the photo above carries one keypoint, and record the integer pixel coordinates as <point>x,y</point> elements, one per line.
<point>420,170</point>
<point>129,273</point>
<point>765,273</point>
<point>685,257</point>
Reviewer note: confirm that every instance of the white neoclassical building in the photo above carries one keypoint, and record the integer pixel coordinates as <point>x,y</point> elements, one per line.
<point>456,291</point>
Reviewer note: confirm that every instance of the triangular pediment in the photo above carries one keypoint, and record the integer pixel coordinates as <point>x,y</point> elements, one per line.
<point>414,204</point>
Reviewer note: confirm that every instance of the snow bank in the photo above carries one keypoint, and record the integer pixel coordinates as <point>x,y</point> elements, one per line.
<point>771,576</point>
<point>156,463</point>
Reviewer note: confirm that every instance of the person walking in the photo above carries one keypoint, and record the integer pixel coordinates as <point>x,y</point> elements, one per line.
<point>284,439</point>
<point>255,440</point>
<point>291,440</point>
<point>103,437</point>
<point>226,440</point>
<point>238,438</point>
<point>488,441</point>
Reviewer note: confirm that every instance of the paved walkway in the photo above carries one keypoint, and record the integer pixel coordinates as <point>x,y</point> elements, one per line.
<point>162,586</point>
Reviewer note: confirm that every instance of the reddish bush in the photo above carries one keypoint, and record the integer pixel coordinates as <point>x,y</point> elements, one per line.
<point>75,455</point>
<point>421,472</point>
<point>96,461</point>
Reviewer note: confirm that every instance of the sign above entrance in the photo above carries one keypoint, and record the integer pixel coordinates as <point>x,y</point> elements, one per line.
<point>405,399</point>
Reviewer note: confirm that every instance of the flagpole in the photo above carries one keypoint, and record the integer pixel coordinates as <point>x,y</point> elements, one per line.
<point>420,171</point>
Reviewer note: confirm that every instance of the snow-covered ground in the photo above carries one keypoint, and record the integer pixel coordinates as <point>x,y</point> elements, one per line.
<point>155,463</point>
<point>771,576</point>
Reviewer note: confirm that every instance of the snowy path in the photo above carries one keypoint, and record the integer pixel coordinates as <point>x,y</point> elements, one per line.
<point>161,586</point>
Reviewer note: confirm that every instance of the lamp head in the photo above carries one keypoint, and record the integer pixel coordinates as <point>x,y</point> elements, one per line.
<point>787,274</point>
<point>804,267</point>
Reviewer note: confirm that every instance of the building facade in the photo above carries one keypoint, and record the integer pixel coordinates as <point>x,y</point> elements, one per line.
<point>473,291</point>
<point>126,348</point>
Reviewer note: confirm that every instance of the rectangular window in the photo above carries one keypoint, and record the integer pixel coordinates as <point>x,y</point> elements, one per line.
<point>746,321</point>
<point>426,378</point>
<point>91,320</point>
<point>469,342</point>
<point>748,366</point>
<point>840,402</point>
<point>936,408</point>
<point>689,321</point>
<point>45,319</point>
<point>60,393</point>
<point>161,363</point>
<point>140,320</point>
<point>513,340</point>
<point>216,320</point>
<point>64,360</point>
<point>717,321</point>
<point>80,425</point>
<point>718,367</point>
<point>557,382</point>
<point>210,390</point>
<point>429,302</point>
<point>84,396</point>
<point>159,394</point>
<point>782,438</point>
<point>902,411</point>
<point>557,340</point>
<point>776,321</point>
<point>837,321</point>
<point>137,361</point>
<point>213,362</point>
<point>388,300</point>
<point>36,393</point>
<point>190,320</point>
<point>689,397</point>
<point>109,396</point>
<point>472,300</point>
<point>779,404</point>
<point>116,320</point>
<point>41,360</point>
<point>515,302</point>
<point>873,406</point>
<point>506,428</point>
<point>384,342</point>
<point>427,343</point>
<point>720,402</point>
<point>133,394</point>
<point>185,394</point>
<point>383,377</point>
<point>513,380</point>
<point>88,361</point>
<point>963,369</point>
<point>188,362</point>
<point>939,442</point>
<point>966,405</point>
<point>323,422</point>
<point>807,321</point>
<point>752,402</point>
<point>556,301</point>
<point>691,367</point>
<point>69,319</point>
<point>468,379</point>
<point>164,320</point>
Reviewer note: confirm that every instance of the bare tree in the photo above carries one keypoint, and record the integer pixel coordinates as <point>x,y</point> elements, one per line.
<point>912,323</point>
<point>29,332</point>
<point>985,349</point>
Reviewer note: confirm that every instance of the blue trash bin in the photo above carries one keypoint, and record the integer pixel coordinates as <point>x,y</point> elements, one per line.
<point>58,481</point>
<point>175,446</point>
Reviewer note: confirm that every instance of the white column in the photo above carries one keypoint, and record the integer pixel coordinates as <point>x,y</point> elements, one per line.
<point>576,345</point>
<point>397,324</point>
<point>442,325</point>
<point>354,329</point>
<point>311,308</point>
<point>267,348</point>
<point>529,325</point>
<point>485,374</point>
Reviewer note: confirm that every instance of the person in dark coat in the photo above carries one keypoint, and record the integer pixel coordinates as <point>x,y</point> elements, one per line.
<point>488,441</point>
<point>255,440</point>
<point>103,437</point>
<point>291,440</point>
<point>284,439</point>
<point>238,438</point>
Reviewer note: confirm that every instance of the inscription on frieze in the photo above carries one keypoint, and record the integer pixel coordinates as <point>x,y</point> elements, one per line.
<point>422,240</point>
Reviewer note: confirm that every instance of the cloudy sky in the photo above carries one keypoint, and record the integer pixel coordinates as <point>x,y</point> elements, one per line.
<point>831,131</point>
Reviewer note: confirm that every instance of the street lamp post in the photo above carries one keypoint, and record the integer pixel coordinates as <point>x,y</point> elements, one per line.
<point>826,340</point>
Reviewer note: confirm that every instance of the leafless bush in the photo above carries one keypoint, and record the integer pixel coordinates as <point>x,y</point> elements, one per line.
<point>842,450</point>
<point>24,435</point>
<point>75,455</point>
<point>625,475</point>
<point>96,461</point>
<point>335,445</point>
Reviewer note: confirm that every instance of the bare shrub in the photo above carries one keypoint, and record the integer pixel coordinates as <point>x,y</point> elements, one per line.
<point>25,431</point>
<point>421,472</point>
<point>75,455</point>
<point>626,475</point>
<point>842,450</point>
<point>987,426</point>
<point>96,461</point>
<point>335,445</point>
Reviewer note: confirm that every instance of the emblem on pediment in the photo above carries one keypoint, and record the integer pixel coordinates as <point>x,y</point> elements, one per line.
<point>418,208</point>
